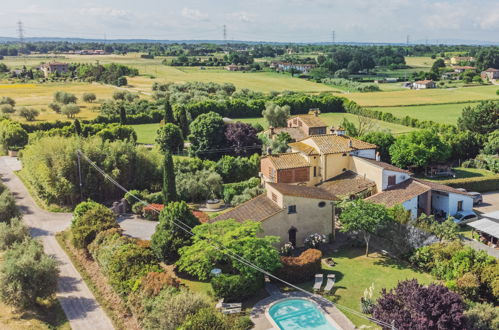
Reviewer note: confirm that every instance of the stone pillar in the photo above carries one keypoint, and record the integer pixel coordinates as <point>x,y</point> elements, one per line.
<point>428,202</point>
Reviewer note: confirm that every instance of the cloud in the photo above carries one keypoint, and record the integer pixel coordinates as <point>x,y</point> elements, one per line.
<point>105,11</point>
<point>241,16</point>
<point>490,21</point>
<point>194,14</point>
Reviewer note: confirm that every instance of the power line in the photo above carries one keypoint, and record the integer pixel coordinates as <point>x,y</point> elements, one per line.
<point>223,249</point>
<point>20,31</point>
<point>225,32</point>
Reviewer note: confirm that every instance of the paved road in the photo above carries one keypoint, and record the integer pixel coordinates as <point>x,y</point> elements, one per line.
<point>78,302</point>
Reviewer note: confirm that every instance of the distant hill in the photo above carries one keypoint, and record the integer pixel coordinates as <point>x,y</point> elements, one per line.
<point>219,42</point>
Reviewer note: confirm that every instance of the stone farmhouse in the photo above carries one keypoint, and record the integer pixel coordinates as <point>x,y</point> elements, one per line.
<point>302,185</point>
<point>53,67</point>
<point>490,74</point>
<point>301,126</point>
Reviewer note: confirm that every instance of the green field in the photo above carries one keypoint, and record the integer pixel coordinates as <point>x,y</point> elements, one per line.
<point>440,113</point>
<point>146,133</point>
<point>355,272</point>
<point>335,119</point>
<point>462,173</point>
<point>425,96</point>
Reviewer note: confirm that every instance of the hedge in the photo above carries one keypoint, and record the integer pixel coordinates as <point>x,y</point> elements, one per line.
<point>235,288</point>
<point>479,184</point>
<point>302,268</point>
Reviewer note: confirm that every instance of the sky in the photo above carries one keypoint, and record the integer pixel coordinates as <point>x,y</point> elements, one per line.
<point>256,20</point>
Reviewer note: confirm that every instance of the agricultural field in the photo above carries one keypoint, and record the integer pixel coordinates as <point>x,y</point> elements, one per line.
<point>440,113</point>
<point>38,96</point>
<point>425,96</point>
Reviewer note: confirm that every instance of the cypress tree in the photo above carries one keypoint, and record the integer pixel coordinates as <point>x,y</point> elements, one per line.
<point>77,127</point>
<point>122,115</point>
<point>169,185</point>
<point>168,118</point>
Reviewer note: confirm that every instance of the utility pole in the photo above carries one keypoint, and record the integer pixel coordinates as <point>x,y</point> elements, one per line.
<point>334,36</point>
<point>20,31</point>
<point>225,32</point>
<point>79,175</point>
<point>407,40</point>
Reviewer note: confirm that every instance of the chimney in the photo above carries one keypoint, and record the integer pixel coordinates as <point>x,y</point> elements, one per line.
<point>378,157</point>
<point>349,143</point>
<point>269,151</point>
<point>332,131</point>
<point>316,112</point>
<point>271,129</point>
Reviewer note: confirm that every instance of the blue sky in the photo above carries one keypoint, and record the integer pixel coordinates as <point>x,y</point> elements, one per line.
<point>267,20</point>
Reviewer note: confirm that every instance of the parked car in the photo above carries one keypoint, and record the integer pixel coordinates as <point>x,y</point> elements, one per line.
<point>461,189</point>
<point>465,217</point>
<point>477,197</point>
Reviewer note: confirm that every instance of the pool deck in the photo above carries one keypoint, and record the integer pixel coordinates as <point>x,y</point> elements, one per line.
<point>259,317</point>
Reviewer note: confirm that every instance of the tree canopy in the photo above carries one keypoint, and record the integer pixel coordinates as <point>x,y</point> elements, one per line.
<point>207,135</point>
<point>169,137</point>
<point>482,118</point>
<point>275,115</point>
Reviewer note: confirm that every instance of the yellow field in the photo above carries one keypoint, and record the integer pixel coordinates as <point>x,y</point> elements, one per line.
<point>425,96</point>
<point>38,96</point>
<point>419,61</point>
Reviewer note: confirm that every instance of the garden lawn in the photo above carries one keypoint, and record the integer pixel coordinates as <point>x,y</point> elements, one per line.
<point>335,118</point>
<point>146,133</point>
<point>440,113</point>
<point>355,272</point>
<point>462,173</point>
<point>425,96</point>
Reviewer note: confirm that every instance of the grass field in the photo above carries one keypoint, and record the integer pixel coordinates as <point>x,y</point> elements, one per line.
<point>440,113</point>
<point>425,96</point>
<point>38,96</point>
<point>355,272</point>
<point>462,173</point>
<point>146,133</point>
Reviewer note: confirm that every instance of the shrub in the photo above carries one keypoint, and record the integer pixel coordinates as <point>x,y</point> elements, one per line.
<point>70,110</point>
<point>230,190</point>
<point>137,208</point>
<point>154,282</point>
<point>84,229</point>
<point>482,317</point>
<point>81,209</point>
<point>28,114</point>
<point>89,97</point>
<point>55,107</point>
<point>7,108</point>
<point>11,233</point>
<point>235,287</point>
<point>7,100</point>
<point>302,268</point>
<point>314,241</point>
<point>27,274</point>
<point>171,307</point>
<point>209,318</point>
<point>12,135</point>
<point>128,263</point>
<point>64,98</point>
<point>8,208</point>
<point>468,285</point>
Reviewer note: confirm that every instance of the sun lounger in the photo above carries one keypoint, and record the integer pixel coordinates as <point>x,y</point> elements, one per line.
<point>330,282</point>
<point>222,305</point>
<point>231,310</point>
<point>318,281</point>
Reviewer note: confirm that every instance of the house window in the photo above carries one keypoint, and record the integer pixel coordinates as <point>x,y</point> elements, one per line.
<point>344,155</point>
<point>391,180</point>
<point>291,209</point>
<point>322,204</point>
<point>315,171</point>
<point>459,206</point>
<point>274,197</point>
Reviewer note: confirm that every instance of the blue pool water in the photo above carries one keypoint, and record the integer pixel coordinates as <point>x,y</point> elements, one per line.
<point>294,314</point>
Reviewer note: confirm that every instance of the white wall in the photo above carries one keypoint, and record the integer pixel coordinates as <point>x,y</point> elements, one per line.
<point>400,177</point>
<point>454,198</point>
<point>412,205</point>
<point>440,202</point>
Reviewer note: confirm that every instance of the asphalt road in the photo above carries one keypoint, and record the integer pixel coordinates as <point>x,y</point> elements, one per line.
<point>490,202</point>
<point>77,301</point>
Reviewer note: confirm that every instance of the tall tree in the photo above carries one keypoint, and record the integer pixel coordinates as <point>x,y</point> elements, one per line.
<point>206,135</point>
<point>482,118</point>
<point>240,136</point>
<point>169,184</point>
<point>122,114</point>
<point>169,137</point>
<point>77,127</point>
<point>363,216</point>
<point>168,115</point>
<point>276,116</point>
<point>383,140</point>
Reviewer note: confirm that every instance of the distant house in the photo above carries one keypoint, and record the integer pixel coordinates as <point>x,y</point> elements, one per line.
<point>54,67</point>
<point>459,59</point>
<point>490,74</point>
<point>461,69</point>
<point>300,126</point>
<point>233,67</point>
<point>286,66</point>
<point>422,84</point>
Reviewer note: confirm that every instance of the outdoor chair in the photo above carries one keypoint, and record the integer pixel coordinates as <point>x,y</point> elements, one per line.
<point>319,278</point>
<point>331,278</point>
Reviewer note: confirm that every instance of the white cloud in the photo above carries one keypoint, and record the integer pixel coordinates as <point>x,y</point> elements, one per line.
<point>194,14</point>
<point>105,11</point>
<point>490,21</point>
<point>242,16</point>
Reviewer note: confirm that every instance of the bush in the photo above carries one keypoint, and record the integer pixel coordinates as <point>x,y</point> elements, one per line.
<point>7,108</point>
<point>64,98</point>
<point>235,287</point>
<point>230,190</point>
<point>89,97</point>
<point>55,107</point>
<point>28,114</point>
<point>8,208</point>
<point>85,228</point>
<point>468,286</point>
<point>70,110</point>
<point>12,135</point>
<point>209,318</point>
<point>171,307</point>
<point>154,282</point>
<point>482,317</point>
<point>11,233</point>
<point>27,274</point>
<point>302,268</point>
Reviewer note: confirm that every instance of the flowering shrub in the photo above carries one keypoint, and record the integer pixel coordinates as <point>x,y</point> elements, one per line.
<point>367,301</point>
<point>287,248</point>
<point>314,241</point>
<point>302,268</point>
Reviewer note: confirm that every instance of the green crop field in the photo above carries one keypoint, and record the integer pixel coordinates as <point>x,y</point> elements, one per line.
<point>146,133</point>
<point>425,96</point>
<point>440,113</point>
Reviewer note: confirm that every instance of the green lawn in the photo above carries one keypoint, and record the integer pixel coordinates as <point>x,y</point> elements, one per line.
<point>440,113</point>
<point>462,172</point>
<point>335,119</point>
<point>355,273</point>
<point>146,133</point>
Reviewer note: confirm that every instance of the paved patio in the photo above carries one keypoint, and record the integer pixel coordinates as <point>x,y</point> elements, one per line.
<point>259,318</point>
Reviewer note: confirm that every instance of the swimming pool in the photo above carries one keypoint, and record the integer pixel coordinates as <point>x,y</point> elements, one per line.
<point>295,313</point>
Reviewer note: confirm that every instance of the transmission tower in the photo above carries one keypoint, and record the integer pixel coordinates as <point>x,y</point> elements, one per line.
<point>225,32</point>
<point>408,40</point>
<point>334,36</point>
<point>20,31</point>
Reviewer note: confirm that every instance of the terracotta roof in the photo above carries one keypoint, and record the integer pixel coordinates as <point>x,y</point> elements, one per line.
<point>332,143</point>
<point>346,184</point>
<point>442,187</point>
<point>288,160</point>
<point>310,120</point>
<point>385,166</point>
<point>294,132</point>
<point>256,209</point>
<point>491,70</point>
<point>302,191</point>
<point>399,193</point>
<point>303,147</point>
